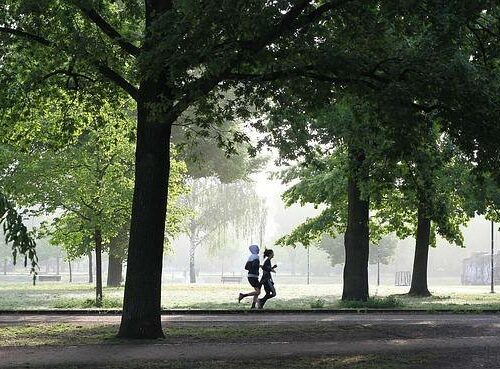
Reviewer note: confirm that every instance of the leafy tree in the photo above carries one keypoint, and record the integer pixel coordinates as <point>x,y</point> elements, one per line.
<point>339,173</point>
<point>89,183</point>
<point>429,181</point>
<point>222,199</point>
<point>432,196</point>
<point>403,68</point>
<point>218,157</point>
<point>383,250</point>
<point>16,233</point>
<point>220,211</point>
<point>169,57</point>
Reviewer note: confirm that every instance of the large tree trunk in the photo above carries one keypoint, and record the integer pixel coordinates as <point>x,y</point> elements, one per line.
<point>115,267</point>
<point>419,277</point>
<point>70,272</point>
<point>98,266</point>
<point>356,240</point>
<point>91,268</point>
<point>142,300</point>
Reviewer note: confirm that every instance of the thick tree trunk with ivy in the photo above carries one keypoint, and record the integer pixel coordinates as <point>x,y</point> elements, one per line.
<point>419,277</point>
<point>98,266</point>
<point>141,304</point>
<point>115,269</point>
<point>356,240</point>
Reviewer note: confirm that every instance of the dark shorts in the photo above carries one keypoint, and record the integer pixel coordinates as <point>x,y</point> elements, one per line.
<point>254,282</point>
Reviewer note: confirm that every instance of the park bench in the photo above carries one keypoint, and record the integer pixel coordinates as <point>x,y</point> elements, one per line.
<point>230,279</point>
<point>49,278</point>
<point>403,279</point>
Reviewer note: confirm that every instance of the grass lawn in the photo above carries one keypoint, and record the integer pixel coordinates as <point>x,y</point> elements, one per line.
<point>18,296</point>
<point>413,361</point>
<point>63,334</point>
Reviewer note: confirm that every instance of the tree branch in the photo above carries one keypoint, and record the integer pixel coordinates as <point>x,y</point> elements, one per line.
<point>480,43</point>
<point>319,11</point>
<point>285,23</point>
<point>289,22</point>
<point>117,79</point>
<point>307,72</point>
<point>108,29</point>
<point>102,68</point>
<point>26,35</point>
<point>66,73</point>
<point>77,212</point>
<point>292,21</point>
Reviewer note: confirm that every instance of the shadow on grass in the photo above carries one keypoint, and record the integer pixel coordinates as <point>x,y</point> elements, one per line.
<point>349,361</point>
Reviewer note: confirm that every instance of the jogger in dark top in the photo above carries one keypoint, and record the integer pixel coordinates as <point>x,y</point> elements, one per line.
<point>252,265</point>
<point>267,280</point>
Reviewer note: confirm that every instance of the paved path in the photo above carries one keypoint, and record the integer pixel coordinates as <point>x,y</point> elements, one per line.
<point>485,327</point>
<point>399,318</point>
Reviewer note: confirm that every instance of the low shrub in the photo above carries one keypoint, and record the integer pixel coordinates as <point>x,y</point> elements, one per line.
<point>389,302</point>
<point>318,304</point>
<point>79,303</point>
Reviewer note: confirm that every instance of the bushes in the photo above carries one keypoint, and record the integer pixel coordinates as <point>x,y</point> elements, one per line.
<point>389,302</point>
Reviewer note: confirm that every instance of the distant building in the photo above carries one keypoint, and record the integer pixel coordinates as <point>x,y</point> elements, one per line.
<point>476,269</point>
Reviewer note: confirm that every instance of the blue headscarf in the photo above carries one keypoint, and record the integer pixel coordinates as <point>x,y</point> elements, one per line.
<point>254,250</point>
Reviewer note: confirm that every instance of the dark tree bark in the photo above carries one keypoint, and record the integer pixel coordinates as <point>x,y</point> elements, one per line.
<point>70,272</point>
<point>98,266</point>
<point>356,240</point>
<point>115,268</point>
<point>91,268</point>
<point>142,299</point>
<point>419,286</point>
<point>141,317</point>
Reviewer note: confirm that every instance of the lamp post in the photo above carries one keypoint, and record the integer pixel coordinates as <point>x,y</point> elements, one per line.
<point>492,259</point>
